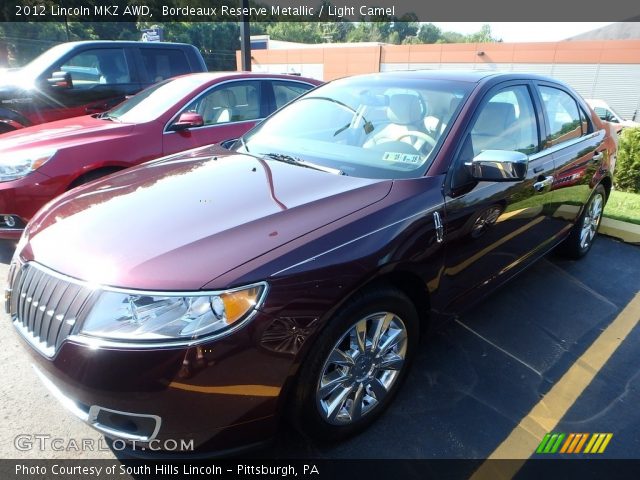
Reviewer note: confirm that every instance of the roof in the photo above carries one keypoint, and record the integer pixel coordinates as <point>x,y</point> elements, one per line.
<point>615,31</point>
<point>122,42</point>
<point>472,76</point>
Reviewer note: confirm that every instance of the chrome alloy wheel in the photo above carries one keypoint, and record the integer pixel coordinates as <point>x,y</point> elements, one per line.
<point>591,220</point>
<point>361,368</point>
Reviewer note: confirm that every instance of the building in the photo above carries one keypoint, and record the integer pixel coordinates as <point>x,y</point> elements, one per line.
<point>602,69</point>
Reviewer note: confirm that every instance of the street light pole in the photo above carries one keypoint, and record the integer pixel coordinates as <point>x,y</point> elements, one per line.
<point>245,38</point>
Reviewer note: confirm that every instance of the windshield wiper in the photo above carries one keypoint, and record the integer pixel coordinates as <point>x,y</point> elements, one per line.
<point>281,157</point>
<point>106,116</point>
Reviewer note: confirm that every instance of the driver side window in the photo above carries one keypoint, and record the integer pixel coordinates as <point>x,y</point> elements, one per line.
<point>233,102</point>
<point>506,122</point>
<point>105,66</point>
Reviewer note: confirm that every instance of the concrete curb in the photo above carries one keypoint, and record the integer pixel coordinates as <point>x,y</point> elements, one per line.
<point>627,232</point>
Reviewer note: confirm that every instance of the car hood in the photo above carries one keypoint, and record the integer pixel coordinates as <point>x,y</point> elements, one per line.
<point>62,133</point>
<point>178,223</point>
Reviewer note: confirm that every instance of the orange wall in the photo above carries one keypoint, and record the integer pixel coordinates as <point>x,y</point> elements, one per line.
<point>341,61</point>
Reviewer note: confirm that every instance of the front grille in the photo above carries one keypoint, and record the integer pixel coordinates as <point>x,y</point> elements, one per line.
<point>45,306</point>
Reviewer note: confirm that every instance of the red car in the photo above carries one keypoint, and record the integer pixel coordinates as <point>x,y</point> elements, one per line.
<point>41,162</point>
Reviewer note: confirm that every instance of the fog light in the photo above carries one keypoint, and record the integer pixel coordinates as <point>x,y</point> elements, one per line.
<point>9,221</point>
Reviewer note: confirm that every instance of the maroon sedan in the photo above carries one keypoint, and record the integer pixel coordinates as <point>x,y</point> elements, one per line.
<point>206,296</point>
<point>39,163</point>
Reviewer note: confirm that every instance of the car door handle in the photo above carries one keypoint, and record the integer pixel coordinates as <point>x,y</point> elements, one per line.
<point>542,183</point>
<point>597,157</point>
<point>439,227</point>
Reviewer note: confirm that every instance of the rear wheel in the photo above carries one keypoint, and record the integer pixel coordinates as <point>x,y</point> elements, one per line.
<point>358,363</point>
<point>581,238</point>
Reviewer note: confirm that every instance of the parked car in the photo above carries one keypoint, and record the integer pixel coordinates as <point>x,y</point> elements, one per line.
<point>207,295</point>
<point>39,163</point>
<point>608,114</point>
<point>79,78</point>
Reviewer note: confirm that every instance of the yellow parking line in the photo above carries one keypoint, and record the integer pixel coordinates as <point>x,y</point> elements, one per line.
<point>547,413</point>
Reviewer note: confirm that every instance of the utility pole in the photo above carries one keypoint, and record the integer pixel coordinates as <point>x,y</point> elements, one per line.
<point>245,38</point>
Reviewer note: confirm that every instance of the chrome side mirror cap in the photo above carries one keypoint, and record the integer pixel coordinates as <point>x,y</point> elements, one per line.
<point>499,166</point>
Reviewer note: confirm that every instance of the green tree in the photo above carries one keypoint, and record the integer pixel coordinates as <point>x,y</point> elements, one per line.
<point>302,32</point>
<point>429,33</point>
<point>483,36</point>
<point>627,171</point>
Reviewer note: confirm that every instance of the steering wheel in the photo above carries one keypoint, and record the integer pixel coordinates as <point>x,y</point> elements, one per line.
<point>419,136</point>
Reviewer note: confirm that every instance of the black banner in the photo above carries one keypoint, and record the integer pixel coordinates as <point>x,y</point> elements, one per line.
<point>320,469</point>
<point>314,10</point>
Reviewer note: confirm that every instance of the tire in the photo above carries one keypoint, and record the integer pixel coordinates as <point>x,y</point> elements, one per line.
<point>338,371</point>
<point>583,234</point>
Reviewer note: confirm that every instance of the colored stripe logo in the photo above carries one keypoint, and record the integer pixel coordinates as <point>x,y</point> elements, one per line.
<point>574,443</point>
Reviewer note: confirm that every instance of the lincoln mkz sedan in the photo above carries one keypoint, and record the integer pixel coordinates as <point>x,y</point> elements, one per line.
<point>39,163</point>
<point>211,294</point>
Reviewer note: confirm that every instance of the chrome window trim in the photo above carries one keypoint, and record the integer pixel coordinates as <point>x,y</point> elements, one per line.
<point>132,344</point>
<point>166,130</point>
<point>565,144</point>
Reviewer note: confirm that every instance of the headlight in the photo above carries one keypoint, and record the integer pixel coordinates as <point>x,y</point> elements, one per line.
<point>17,165</point>
<point>169,317</point>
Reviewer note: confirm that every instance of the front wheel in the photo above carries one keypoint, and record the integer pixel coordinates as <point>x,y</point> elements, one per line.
<point>583,234</point>
<point>358,363</point>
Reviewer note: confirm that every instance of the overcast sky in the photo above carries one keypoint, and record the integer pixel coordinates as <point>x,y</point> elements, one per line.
<point>525,31</point>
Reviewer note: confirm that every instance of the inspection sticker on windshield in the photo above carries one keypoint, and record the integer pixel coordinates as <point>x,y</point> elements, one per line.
<point>401,157</point>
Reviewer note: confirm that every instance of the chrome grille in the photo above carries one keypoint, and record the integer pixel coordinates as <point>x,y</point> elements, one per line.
<point>45,306</point>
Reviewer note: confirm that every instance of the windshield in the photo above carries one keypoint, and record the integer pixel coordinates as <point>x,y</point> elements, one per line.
<point>366,127</point>
<point>27,75</point>
<point>149,104</point>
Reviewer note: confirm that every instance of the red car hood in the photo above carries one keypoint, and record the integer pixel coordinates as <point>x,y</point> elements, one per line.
<point>178,223</point>
<point>62,133</point>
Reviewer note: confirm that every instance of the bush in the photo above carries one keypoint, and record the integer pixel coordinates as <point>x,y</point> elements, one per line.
<point>627,173</point>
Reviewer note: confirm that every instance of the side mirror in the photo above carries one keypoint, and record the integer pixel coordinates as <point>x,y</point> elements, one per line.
<point>187,120</point>
<point>60,80</point>
<point>499,166</point>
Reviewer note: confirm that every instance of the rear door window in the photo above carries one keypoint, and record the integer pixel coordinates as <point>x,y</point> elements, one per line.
<point>563,115</point>
<point>284,92</point>
<point>163,63</point>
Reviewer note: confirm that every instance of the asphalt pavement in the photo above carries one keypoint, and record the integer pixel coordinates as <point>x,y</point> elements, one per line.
<point>474,382</point>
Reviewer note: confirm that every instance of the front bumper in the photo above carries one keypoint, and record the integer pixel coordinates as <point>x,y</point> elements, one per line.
<point>218,396</point>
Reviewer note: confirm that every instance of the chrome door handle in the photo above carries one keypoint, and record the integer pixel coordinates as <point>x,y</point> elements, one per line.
<point>597,157</point>
<point>542,184</point>
<point>439,227</point>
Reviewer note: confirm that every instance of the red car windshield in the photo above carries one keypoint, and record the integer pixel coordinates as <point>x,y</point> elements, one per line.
<point>152,102</point>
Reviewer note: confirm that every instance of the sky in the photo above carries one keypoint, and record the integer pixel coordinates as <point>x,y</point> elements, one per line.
<point>525,31</point>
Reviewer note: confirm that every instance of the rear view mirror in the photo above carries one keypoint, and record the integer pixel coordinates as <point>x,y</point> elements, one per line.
<point>499,166</point>
<point>60,80</point>
<point>187,120</point>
